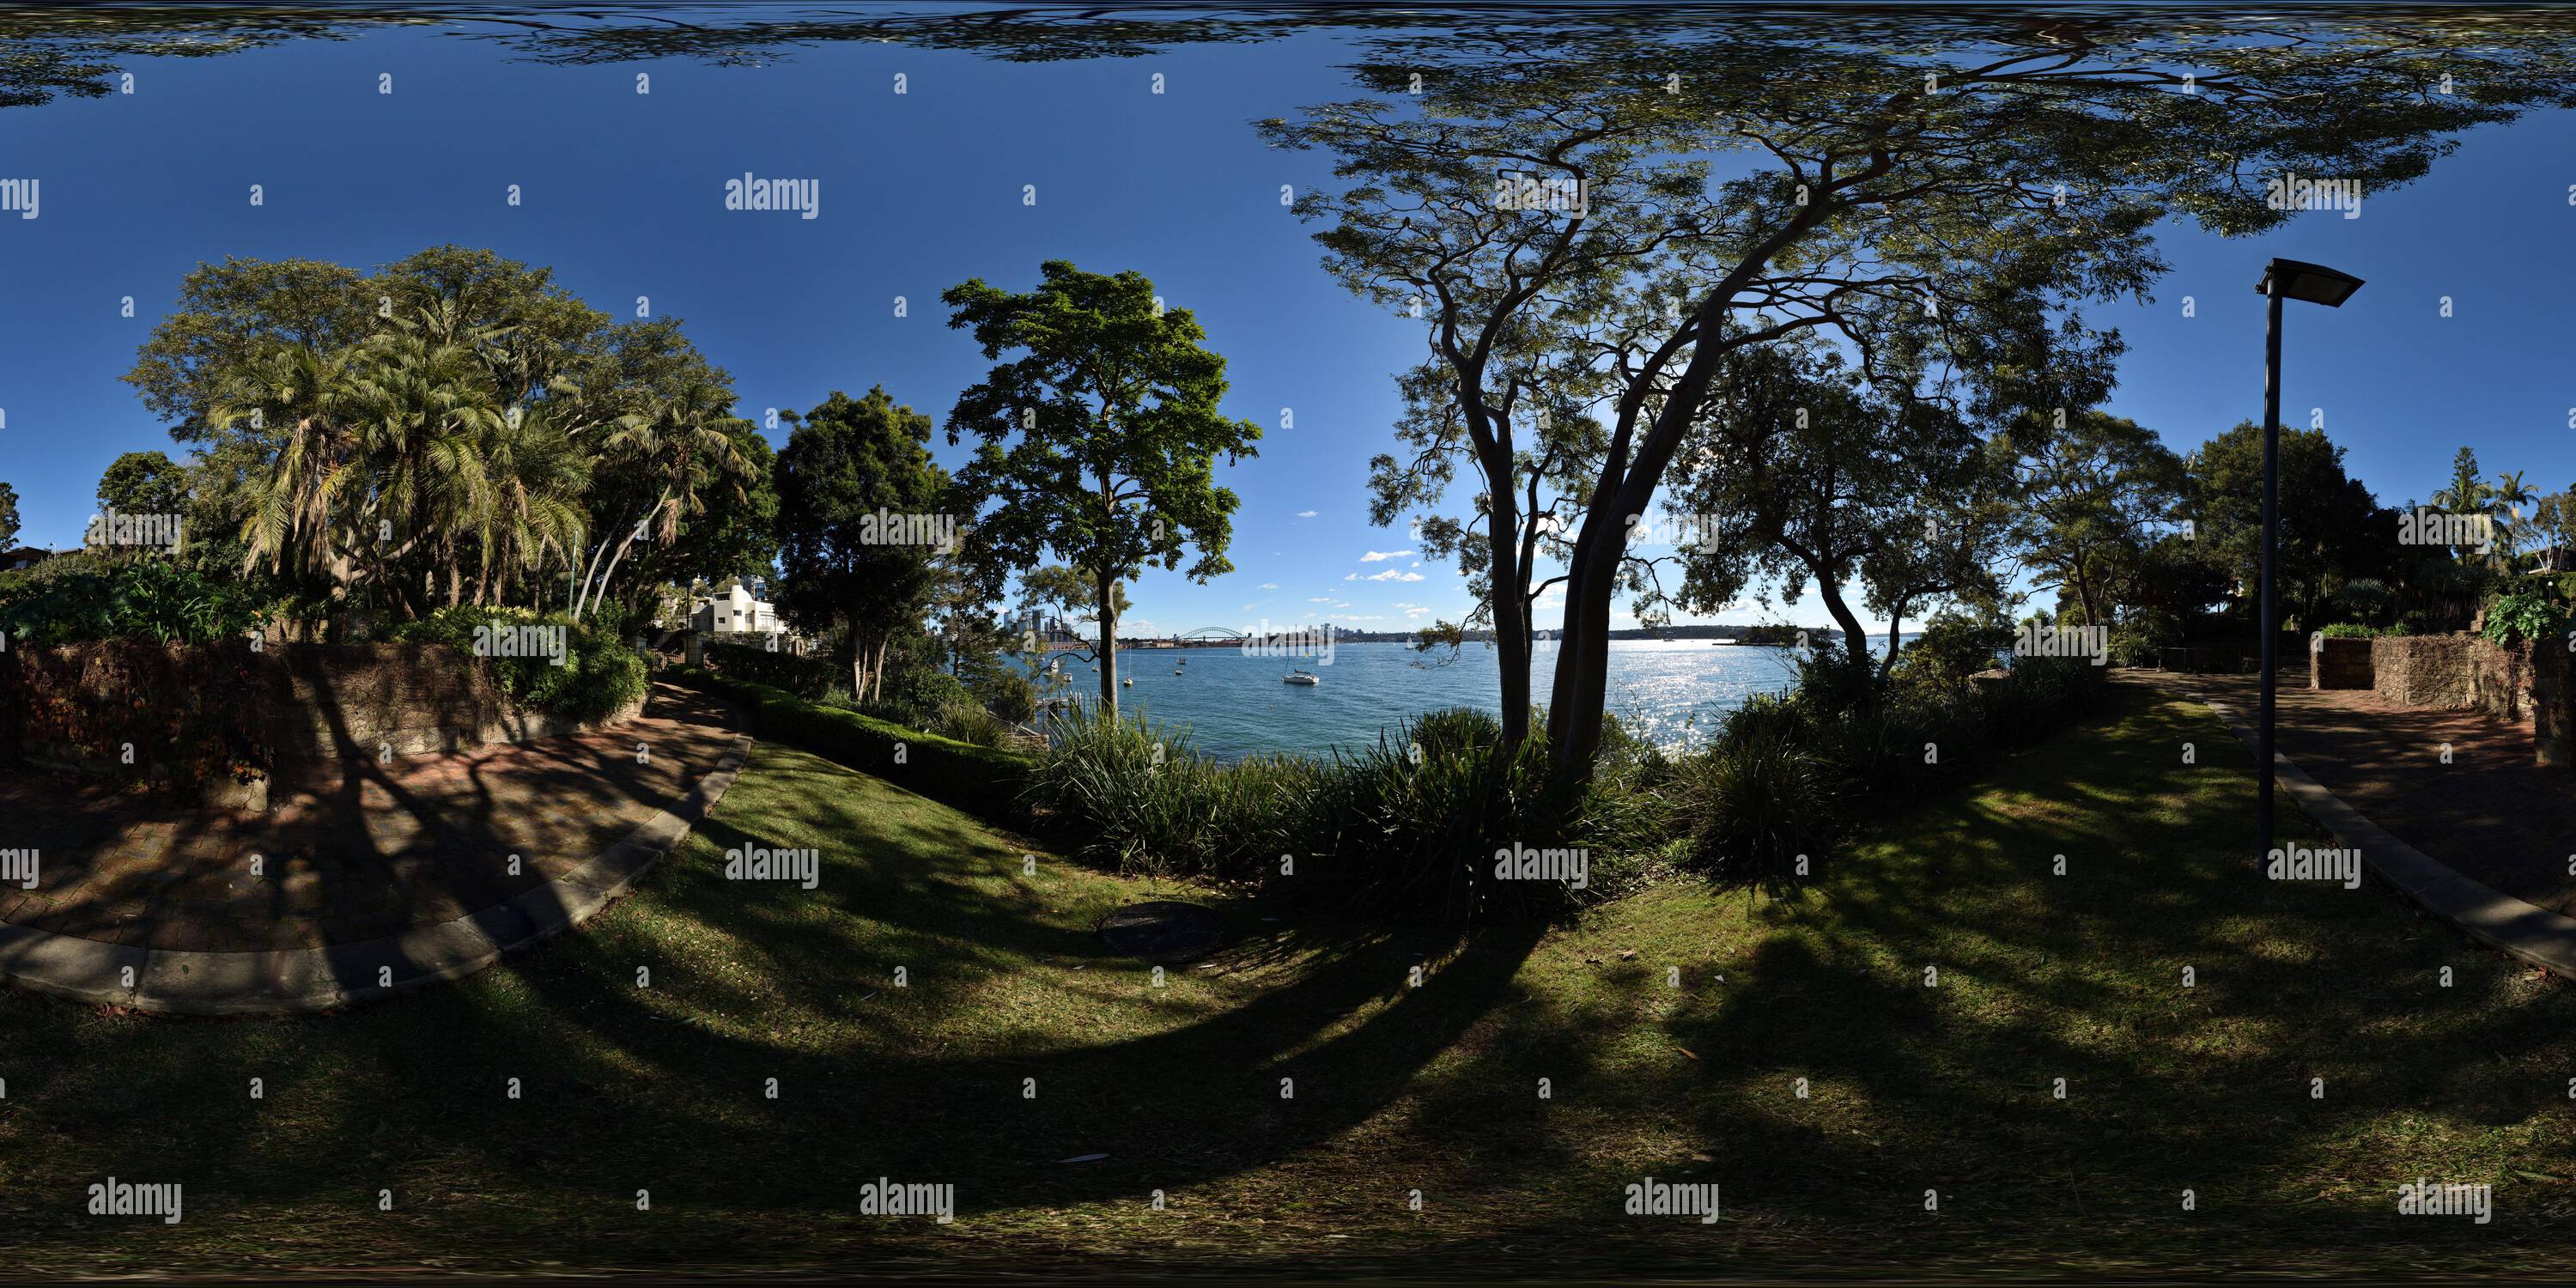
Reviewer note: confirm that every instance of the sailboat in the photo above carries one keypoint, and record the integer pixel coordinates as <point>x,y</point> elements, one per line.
<point>1300,676</point>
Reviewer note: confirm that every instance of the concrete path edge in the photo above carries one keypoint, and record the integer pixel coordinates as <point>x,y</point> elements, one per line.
<point>298,980</point>
<point>2521,930</point>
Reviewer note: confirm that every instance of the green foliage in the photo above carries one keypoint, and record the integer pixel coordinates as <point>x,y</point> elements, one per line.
<point>2354,631</point>
<point>143,483</point>
<point>8,516</point>
<point>1010,695</point>
<point>2523,615</point>
<point>599,674</point>
<point>1786,774</point>
<point>983,781</point>
<point>1406,829</point>
<point>144,599</point>
<point>1953,646</point>
<point>2332,529</point>
<point>1760,806</point>
<point>1098,441</point>
<point>848,464</point>
<point>806,677</point>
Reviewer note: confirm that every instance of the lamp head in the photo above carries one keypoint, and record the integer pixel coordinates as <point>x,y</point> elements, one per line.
<point>2313,283</point>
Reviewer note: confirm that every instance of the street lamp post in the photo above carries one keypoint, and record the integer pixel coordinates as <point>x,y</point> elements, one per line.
<point>2288,279</point>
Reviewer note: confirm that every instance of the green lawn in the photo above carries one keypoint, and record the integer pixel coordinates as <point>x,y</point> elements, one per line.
<point>1397,1089</point>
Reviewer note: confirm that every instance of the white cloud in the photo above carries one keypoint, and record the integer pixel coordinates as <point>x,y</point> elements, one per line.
<point>1381,556</point>
<point>1391,574</point>
<point>1367,617</point>
<point>1319,599</point>
<point>1305,514</point>
<point>1270,585</point>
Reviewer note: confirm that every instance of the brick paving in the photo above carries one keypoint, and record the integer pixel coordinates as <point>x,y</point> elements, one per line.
<point>350,850</point>
<point>2492,813</point>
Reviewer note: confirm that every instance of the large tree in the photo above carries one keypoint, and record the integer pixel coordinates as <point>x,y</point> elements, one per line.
<point>1524,191</point>
<point>452,426</point>
<point>849,466</point>
<point>1099,440</point>
<point>2096,495</point>
<point>1817,478</point>
<point>143,483</point>
<point>2332,529</point>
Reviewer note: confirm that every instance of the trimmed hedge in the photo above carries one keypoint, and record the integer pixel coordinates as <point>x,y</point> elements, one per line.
<point>984,781</point>
<point>805,677</point>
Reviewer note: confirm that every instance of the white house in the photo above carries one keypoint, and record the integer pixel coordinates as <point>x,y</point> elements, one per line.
<point>733,611</point>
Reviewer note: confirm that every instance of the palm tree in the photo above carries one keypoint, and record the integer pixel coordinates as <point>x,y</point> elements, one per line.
<point>424,446</point>
<point>316,401</point>
<point>2506,498</point>
<point>678,450</point>
<point>534,515</point>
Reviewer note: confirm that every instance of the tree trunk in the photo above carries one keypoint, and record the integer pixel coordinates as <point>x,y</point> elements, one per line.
<point>1855,640</point>
<point>1509,584</point>
<point>1108,641</point>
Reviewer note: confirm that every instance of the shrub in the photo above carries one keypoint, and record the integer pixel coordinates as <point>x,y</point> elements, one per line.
<point>2367,598</point>
<point>1137,798</point>
<point>1760,807</point>
<point>806,677</point>
<point>1407,829</point>
<point>1784,771</point>
<point>143,599</point>
<point>1952,647</point>
<point>1398,833</point>
<point>2523,615</point>
<point>1010,696</point>
<point>598,676</point>
<point>983,781</point>
<point>2354,631</point>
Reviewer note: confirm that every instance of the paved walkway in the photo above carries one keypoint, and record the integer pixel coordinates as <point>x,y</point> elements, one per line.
<point>361,877</point>
<point>2464,830</point>
<point>2491,814</point>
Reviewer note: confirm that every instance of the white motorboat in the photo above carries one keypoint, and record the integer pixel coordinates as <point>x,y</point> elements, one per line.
<point>1299,677</point>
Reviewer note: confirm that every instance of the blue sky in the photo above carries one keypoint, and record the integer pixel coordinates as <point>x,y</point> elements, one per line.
<point>622,196</point>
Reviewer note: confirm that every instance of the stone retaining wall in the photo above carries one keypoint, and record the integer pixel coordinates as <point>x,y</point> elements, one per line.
<point>2341,664</point>
<point>2454,671</point>
<point>280,707</point>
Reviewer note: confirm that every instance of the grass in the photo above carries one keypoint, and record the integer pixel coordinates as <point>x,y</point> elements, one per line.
<point>1396,1088</point>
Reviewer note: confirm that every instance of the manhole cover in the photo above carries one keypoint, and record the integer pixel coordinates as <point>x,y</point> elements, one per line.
<point>1162,931</point>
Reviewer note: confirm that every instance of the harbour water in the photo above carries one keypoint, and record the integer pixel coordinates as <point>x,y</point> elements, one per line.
<point>1671,692</point>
